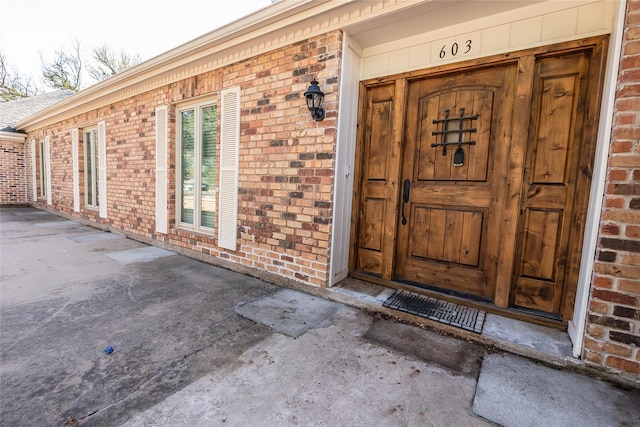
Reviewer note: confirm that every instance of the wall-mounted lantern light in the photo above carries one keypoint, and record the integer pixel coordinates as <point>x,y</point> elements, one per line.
<point>314,98</point>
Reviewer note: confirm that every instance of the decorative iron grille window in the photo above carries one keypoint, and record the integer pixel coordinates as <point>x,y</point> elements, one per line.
<point>453,131</point>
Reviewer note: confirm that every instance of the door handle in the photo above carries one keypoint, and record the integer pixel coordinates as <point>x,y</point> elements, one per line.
<point>406,190</point>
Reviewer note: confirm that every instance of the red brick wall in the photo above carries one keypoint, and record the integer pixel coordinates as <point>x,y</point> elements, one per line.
<point>613,329</point>
<point>286,161</point>
<point>13,182</point>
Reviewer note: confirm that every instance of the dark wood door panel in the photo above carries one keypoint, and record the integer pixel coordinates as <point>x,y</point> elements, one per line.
<point>438,194</point>
<point>469,122</point>
<point>449,277</point>
<point>541,244</point>
<point>554,147</point>
<point>451,239</point>
<point>377,143</point>
<point>448,235</point>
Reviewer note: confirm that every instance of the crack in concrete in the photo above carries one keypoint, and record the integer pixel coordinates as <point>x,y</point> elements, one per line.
<point>41,324</point>
<point>194,352</point>
<point>129,285</point>
<point>97,411</point>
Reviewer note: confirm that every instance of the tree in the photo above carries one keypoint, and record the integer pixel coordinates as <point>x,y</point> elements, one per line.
<point>13,85</point>
<point>108,63</point>
<point>65,72</point>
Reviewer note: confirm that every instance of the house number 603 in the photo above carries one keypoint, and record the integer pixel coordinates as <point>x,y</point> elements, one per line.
<point>455,49</point>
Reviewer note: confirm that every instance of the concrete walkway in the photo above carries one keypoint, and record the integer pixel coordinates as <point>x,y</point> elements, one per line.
<point>197,345</point>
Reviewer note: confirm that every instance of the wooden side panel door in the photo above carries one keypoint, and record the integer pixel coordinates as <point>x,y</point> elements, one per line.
<point>449,235</point>
<point>554,148</point>
<point>378,157</point>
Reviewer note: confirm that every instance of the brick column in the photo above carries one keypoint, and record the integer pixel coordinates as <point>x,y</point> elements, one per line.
<point>13,184</point>
<point>613,329</point>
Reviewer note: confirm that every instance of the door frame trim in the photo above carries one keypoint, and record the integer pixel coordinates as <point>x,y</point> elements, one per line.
<point>344,161</point>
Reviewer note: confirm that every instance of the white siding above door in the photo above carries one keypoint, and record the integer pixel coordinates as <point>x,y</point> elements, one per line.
<point>474,32</point>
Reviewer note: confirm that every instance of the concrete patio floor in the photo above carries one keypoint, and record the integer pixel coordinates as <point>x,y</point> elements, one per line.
<point>198,345</point>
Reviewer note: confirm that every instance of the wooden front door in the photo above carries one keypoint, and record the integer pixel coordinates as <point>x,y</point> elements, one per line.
<point>475,182</point>
<point>458,134</point>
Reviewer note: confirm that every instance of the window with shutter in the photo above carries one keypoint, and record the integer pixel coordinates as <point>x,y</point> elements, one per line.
<point>161,169</point>
<point>229,152</point>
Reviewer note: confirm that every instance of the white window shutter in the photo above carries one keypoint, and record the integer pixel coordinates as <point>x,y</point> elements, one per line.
<point>47,167</point>
<point>102,169</point>
<point>161,169</point>
<point>229,153</point>
<point>75,177</point>
<point>34,178</point>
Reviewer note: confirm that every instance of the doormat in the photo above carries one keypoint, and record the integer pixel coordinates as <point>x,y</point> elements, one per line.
<point>445,312</point>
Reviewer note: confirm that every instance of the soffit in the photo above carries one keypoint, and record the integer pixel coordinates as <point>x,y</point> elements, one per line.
<point>427,17</point>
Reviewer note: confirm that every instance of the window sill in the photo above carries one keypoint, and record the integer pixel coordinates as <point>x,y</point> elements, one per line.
<point>182,229</point>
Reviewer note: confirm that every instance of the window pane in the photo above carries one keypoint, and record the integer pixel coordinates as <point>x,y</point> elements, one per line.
<point>208,168</point>
<point>188,153</point>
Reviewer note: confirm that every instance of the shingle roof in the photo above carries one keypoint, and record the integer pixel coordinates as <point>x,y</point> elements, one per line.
<point>11,112</point>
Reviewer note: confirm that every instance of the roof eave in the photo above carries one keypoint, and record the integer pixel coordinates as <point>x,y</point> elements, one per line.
<point>272,14</point>
<point>13,136</point>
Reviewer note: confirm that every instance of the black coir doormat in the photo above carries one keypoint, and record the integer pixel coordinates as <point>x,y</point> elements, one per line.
<point>445,312</point>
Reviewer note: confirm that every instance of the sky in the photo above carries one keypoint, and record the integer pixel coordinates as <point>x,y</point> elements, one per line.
<point>31,29</point>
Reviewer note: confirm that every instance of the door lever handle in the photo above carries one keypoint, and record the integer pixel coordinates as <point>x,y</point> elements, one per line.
<point>406,190</point>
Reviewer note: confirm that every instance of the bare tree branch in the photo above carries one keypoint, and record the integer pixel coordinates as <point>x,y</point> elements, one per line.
<point>108,63</point>
<point>65,72</point>
<point>14,85</point>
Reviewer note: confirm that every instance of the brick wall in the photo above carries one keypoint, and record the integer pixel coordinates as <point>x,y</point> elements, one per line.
<point>286,161</point>
<point>13,189</point>
<point>613,329</point>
